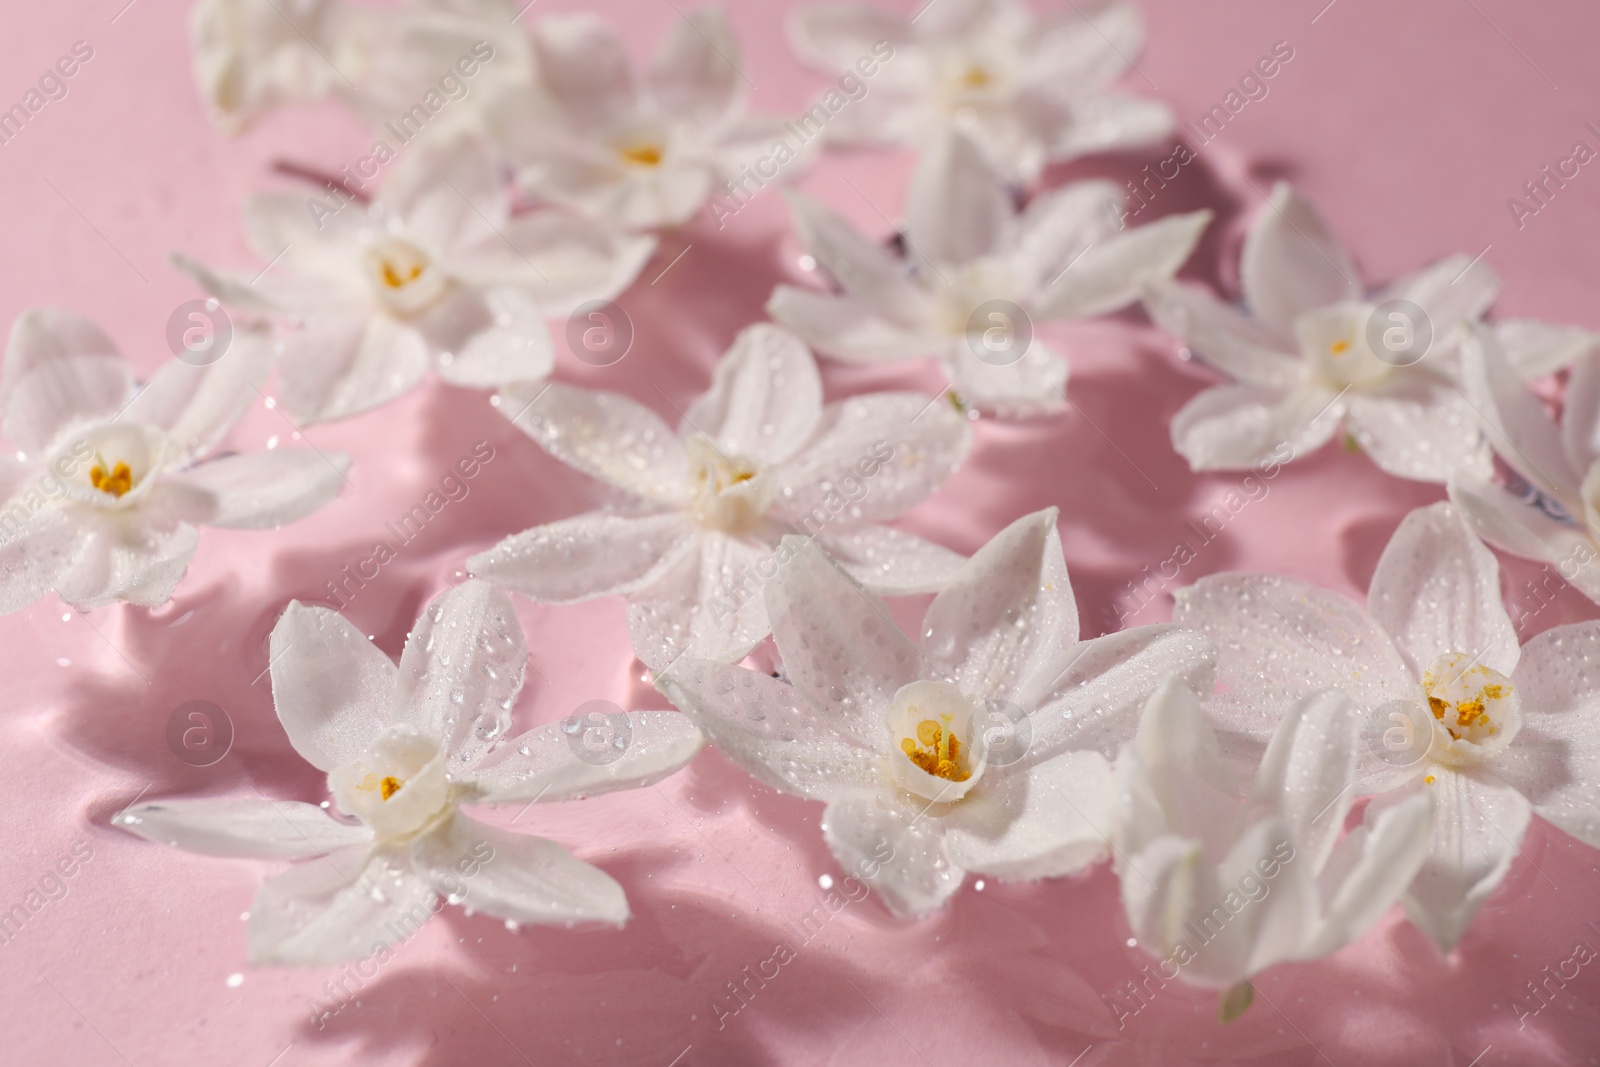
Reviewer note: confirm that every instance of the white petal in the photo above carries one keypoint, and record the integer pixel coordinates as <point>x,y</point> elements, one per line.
<point>584,67</point>
<point>557,258</point>
<point>763,725</point>
<point>846,327</point>
<point>1088,46</point>
<point>138,558</point>
<point>1308,773</point>
<point>1580,414</point>
<point>1292,263</point>
<point>489,339</point>
<point>1114,271</point>
<point>336,368</point>
<point>1453,292</point>
<point>332,687</point>
<point>517,877</point>
<point>31,558</point>
<point>604,435</point>
<point>246,827</point>
<point>1058,224</point>
<point>1236,345</point>
<point>198,405</point>
<point>873,457</point>
<point>1519,428</point>
<point>839,644</point>
<point>557,761</point>
<point>891,562</point>
<point>461,671</point>
<point>706,604</point>
<point>1477,828</point>
<point>765,399</point>
<point>1007,614</point>
<point>1419,428</point>
<point>885,845</point>
<point>1536,348</point>
<point>59,369</point>
<point>695,74</point>
<point>447,192</point>
<point>1032,384</point>
<point>1522,528</point>
<point>832,37</point>
<point>1369,870</point>
<point>1234,427</point>
<point>596,554</point>
<point>1052,819</point>
<point>1437,589</point>
<point>257,490</point>
<point>344,906</point>
<point>1554,760</point>
<point>1172,776</point>
<point>867,270</point>
<point>957,208</point>
<point>279,226</point>
<point>1104,122</point>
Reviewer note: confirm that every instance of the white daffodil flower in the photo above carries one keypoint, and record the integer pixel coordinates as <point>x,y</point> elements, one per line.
<point>756,457</point>
<point>436,271</point>
<point>405,747</point>
<point>102,498</point>
<point>1560,526</point>
<point>251,57</point>
<point>978,276</point>
<point>1453,708</point>
<point>1223,882</point>
<point>983,748</point>
<point>1316,353</point>
<point>640,153</point>
<point>1030,91</point>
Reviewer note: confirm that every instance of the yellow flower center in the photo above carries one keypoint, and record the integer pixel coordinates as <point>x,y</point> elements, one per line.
<point>398,277</point>
<point>119,481</point>
<point>1473,703</point>
<point>642,155</point>
<point>1339,348</point>
<point>937,750</point>
<point>386,787</point>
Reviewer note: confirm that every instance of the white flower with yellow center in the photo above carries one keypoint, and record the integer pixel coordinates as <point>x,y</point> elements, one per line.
<point>978,277</point>
<point>404,747</point>
<point>640,153</point>
<point>436,271</point>
<point>757,457</point>
<point>1030,91</point>
<point>982,748</point>
<point>102,498</point>
<point>1452,706</point>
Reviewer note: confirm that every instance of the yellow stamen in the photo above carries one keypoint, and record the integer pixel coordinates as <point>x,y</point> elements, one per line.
<point>939,752</point>
<point>1429,779</point>
<point>389,786</point>
<point>119,481</point>
<point>644,155</point>
<point>976,78</point>
<point>1339,348</point>
<point>395,280</point>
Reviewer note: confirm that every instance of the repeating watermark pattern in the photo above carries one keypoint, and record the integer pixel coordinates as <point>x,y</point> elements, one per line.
<point>598,733</point>
<point>1252,888</point>
<point>51,486</point>
<point>199,733</point>
<point>52,888</point>
<point>51,86</point>
<point>454,85</point>
<point>199,332</point>
<point>1541,191</point>
<point>765,169</point>
<point>1400,732</point>
<point>1544,991</point>
<point>1007,732</point>
<point>999,332</point>
<point>1550,582</point>
<point>341,991</point>
<point>453,488</point>
<point>1399,333</point>
<point>599,333</point>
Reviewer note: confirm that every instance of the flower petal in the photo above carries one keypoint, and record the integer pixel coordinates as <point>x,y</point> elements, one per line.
<point>834,36</point>
<point>765,399</point>
<point>1218,334</point>
<point>344,906</point>
<point>1058,224</point>
<point>1035,382</point>
<point>1368,871</point>
<point>332,687</point>
<point>1554,760</point>
<point>559,259</point>
<point>552,762</point>
<point>695,75</point>
<point>1580,414</point>
<point>1521,528</point>
<point>1089,46</point>
<point>1235,427</point>
<point>257,490</point>
<point>517,877</point>
<point>138,559</point>
<point>461,671</point>
<point>1050,820</point>
<point>584,67</point>
<point>957,208</point>
<point>846,327</point>
<point>866,270</point>
<point>198,405</point>
<point>1101,122</point>
<point>1292,263</point>
<point>483,340</point>
<point>1437,589</point>
<point>587,556</point>
<point>1419,428</point>
<point>447,192</point>
<point>1453,292</point>
<point>891,562</point>
<point>604,435</point>
<point>707,604</point>
<point>1308,773</point>
<point>1537,348</point>
<point>335,368</point>
<point>1519,428</point>
<point>32,556</point>
<point>1172,777</point>
<point>1114,271</point>
<point>59,369</point>
<point>248,827</point>
<point>762,725</point>
<point>882,843</point>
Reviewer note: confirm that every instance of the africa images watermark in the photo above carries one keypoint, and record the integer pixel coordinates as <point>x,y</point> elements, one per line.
<point>51,86</point>
<point>1545,991</point>
<point>757,174</point>
<point>51,486</point>
<point>51,888</point>
<point>1541,191</point>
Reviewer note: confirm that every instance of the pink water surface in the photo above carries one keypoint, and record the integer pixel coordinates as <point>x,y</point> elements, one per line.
<point>1410,124</point>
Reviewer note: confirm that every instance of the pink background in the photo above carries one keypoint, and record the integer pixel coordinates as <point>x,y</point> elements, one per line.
<point>1410,124</point>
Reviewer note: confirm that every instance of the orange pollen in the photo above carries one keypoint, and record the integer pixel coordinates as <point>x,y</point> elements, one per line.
<point>939,752</point>
<point>1429,779</point>
<point>1339,348</point>
<point>644,155</point>
<point>119,481</point>
<point>395,280</point>
<point>389,786</point>
<point>976,78</point>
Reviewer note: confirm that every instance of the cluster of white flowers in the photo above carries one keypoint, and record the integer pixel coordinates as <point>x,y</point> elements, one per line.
<point>995,740</point>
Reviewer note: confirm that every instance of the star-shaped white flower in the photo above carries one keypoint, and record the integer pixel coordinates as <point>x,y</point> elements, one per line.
<point>980,749</point>
<point>109,482</point>
<point>1317,353</point>
<point>978,276</point>
<point>1031,91</point>
<point>450,57</point>
<point>1452,706</point>
<point>1562,462</point>
<point>436,271</point>
<point>1223,882</point>
<point>404,749</point>
<point>756,457</point>
<point>640,153</point>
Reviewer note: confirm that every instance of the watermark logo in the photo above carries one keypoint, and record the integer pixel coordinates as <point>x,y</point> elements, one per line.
<point>598,733</point>
<point>199,733</point>
<point>199,332</point>
<point>1399,733</point>
<point>1399,332</point>
<point>999,332</point>
<point>1007,732</point>
<point>599,333</point>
